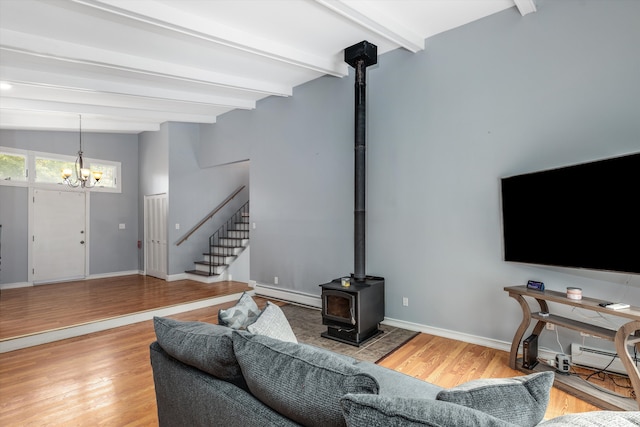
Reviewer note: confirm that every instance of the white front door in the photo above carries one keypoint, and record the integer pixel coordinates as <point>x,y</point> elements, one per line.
<point>155,235</point>
<point>59,235</point>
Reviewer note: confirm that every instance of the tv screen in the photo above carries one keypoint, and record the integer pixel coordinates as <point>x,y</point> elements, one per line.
<point>581,216</point>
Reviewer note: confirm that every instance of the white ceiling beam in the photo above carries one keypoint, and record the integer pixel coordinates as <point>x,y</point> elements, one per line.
<point>57,50</point>
<point>39,120</point>
<point>369,17</point>
<point>17,104</point>
<point>525,6</point>
<point>45,76</point>
<point>162,15</point>
<point>87,97</point>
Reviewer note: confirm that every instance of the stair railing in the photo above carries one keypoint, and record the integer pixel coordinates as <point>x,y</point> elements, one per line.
<point>210,215</point>
<point>240,216</point>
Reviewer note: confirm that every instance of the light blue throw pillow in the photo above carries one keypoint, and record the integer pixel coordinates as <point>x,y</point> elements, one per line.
<point>241,315</point>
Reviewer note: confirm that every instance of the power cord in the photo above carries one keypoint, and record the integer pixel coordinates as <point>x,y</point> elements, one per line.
<point>602,375</point>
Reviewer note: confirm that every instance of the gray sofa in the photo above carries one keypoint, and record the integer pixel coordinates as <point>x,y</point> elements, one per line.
<point>209,375</point>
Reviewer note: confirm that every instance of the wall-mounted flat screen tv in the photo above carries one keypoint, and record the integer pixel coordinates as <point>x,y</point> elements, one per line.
<point>580,216</point>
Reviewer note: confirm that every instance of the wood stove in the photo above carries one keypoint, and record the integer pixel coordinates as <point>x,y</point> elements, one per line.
<point>352,313</point>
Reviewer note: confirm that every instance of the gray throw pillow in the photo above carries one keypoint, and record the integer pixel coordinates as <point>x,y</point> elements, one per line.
<point>297,380</point>
<point>241,315</point>
<point>520,400</point>
<point>388,411</point>
<point>273,323</point>
<point>205,346</point>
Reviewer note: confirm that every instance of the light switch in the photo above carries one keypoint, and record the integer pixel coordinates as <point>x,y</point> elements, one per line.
<point>177,226</point>
<point>121,226</point>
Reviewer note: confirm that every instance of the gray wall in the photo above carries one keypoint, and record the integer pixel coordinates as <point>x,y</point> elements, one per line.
<point>504,95</point>
<point>112,250</point>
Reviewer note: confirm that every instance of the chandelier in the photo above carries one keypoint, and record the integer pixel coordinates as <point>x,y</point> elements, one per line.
<point>82,176</point>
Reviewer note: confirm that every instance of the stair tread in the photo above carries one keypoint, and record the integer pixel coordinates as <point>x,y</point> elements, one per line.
<point>211,264</point>
<point>201,273</point>
<point>220,255</point>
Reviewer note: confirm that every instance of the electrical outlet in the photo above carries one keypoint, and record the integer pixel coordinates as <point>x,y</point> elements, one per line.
<point>550,326</point>
<point>275,280</point>
<point>405,302</point>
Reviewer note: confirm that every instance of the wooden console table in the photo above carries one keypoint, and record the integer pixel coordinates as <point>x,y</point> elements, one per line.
<point>628,334</point>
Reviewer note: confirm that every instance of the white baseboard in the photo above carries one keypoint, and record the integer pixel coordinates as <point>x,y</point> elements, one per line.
<point>114,274</point>
<point>90,277</point>
<point>287,295</point>
<point>15,285</point>
<point>446,333</point>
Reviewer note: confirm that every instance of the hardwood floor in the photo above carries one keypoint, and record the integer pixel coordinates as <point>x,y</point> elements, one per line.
<point>48,307</point>
<point>104,378</point>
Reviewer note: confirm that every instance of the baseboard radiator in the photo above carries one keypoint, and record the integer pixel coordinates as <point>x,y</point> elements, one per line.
<point>597,358</point>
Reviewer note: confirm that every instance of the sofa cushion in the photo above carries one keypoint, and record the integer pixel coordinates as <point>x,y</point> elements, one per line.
<point>205,346</point>
<point>388,411</point>
<point>273,323</point>
<point>596,419</point>
<point>520,400</point>
<point>241,315</point>
<point>297,380</point>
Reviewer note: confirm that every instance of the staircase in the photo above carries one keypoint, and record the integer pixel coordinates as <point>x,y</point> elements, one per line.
<point>225,245</point>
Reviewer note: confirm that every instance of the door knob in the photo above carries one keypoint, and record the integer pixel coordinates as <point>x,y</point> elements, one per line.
<point>82,242</point>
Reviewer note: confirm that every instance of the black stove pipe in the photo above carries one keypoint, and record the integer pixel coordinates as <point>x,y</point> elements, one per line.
<point>360,56</point>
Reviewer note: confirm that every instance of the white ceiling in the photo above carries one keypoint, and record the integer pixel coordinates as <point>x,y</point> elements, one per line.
<point>130,65</point>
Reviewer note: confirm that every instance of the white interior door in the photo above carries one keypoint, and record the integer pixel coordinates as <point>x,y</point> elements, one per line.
<point>155,235</point>
<point>59,235</point>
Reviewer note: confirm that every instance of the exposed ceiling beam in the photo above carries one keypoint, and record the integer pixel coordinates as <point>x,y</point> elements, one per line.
<point>173,19</point>
<point>16,104</point>
<point>10,119</point>
<point>525,6</point>
<point>366,15</point>
<point>46,78</point>
<point>127,102</point>
<point>61,51</point>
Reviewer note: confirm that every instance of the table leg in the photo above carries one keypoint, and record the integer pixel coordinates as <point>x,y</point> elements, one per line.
<point>517,338</point>
<point>623,341</point>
